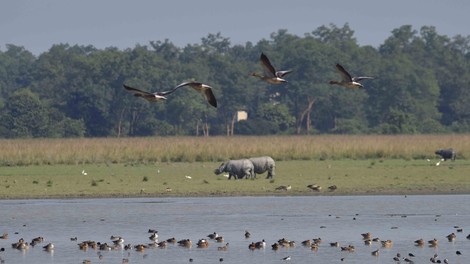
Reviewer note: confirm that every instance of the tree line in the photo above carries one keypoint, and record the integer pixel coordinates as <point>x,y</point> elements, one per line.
<point>421,85</point>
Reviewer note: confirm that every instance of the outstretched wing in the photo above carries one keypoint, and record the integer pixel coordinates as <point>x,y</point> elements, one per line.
<point>137,92</point>
<point>344,74</point>
<point>267,65</point>
<point>358,79</point>
<point>281,74</point>
<point>204,89</point>
<point>153,97</point>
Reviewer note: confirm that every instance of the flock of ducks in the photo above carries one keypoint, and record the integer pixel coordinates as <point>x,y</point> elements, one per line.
<point>313,187</point>
<point>118,243</point>
<point>270,75</point>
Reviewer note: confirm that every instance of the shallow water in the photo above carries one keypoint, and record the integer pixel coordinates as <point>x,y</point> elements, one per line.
<point>401,219</point>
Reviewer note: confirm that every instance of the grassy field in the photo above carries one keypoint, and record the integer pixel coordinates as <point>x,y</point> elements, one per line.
<point>158,166</point>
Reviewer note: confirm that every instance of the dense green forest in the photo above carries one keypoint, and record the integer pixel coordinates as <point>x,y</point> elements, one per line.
<point>421,86</point>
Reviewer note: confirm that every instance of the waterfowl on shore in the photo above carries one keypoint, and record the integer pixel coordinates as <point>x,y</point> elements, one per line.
<point>283,188</point>
<point>375,253</point>
<point>271,75</point>
<point>4,236</point>
<point>314,187</point>
<point>347,80</point>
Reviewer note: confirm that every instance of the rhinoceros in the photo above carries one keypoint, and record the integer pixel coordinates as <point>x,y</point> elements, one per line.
<point>263,164</point>
<point>238,169</point>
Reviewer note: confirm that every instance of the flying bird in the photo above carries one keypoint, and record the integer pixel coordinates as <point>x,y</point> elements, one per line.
<point>347,80</point>
<point>151,97</point>
<point>204,89</point>
<point>272,76</point>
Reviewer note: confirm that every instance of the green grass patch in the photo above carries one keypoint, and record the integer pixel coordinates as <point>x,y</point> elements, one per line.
<point>352,177</point>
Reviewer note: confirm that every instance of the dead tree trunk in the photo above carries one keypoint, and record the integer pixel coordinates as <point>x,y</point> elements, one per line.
<point>305,115</point>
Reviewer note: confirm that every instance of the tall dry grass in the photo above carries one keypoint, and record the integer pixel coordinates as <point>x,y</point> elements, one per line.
<point>21,152</point>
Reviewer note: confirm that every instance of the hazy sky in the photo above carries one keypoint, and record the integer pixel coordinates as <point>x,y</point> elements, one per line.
<point>38,24</point>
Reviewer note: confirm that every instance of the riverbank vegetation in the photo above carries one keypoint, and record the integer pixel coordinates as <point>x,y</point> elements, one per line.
<point>109,167</point>
<point>420,87</point>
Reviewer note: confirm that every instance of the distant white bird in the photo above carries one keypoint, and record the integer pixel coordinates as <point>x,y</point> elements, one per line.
<point>428,160</point>
<point>438,163</point>
<point>84,172</point>
<point>188,177</point>
<point>226,175</point>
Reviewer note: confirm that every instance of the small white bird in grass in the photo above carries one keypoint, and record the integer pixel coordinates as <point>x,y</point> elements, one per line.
<point>438,163</point>
<point>188,177</point>
<point>226,175</point>
<point>286,258</point>
<point>84,172</point>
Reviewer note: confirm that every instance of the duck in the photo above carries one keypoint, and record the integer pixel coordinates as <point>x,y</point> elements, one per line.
<point>202,88</point>
<point>117,240</point>
<point>332,188</point>
<point>451,237</point>
<point>219,239</point>
<point>223,248</point>
<point>275,246</point>
<point>306,243</point>
<point>202,243</point>
<point>171,240</point>
<point>4,236</point>
<point>347,80</point>
<point>283,188</point>
<point>213,235</point>
<point>314,187</point>
<point>314,246</point>
<point>252,246</point>
<point>48,247</point>
<point>260,244</point>
<point>334,244</point>
<point>154,236</point>
<point>162,244</point>
<point>272,76</point>
<point>185,243</point>
<point>248,234</point>
<point>375,252</point>
<point>387,243</point>
<point>367,235</point>
<point>433,242</point>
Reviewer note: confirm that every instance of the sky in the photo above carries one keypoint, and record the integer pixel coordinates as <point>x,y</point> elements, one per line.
<point>38,24</point>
